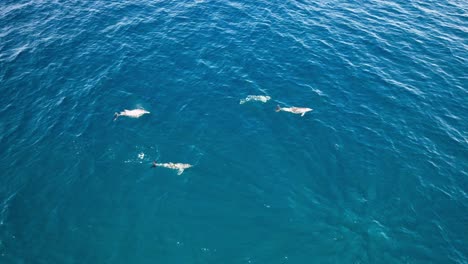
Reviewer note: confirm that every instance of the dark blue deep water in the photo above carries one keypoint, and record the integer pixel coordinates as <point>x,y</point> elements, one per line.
<point>377,173</point>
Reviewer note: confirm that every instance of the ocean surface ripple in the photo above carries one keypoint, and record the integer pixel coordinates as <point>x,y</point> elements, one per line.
<point>377,173</point>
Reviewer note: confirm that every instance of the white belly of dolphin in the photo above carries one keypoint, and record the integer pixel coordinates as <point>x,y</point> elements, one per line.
<point>295,110</point>
<point>135,113</point>
<point>180,167</point>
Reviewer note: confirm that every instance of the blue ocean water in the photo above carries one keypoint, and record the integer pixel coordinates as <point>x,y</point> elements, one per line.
<point>377,173</point>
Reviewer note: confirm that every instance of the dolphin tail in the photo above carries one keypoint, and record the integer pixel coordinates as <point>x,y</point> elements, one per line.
<point>278,108</point>
<point>116,115</point>
<point>154,165</point>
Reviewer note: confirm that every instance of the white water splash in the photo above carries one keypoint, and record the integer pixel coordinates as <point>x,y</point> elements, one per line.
<point>260,98</point>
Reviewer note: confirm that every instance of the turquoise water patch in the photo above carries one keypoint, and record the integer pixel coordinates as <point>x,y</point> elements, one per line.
<point>376,173</point>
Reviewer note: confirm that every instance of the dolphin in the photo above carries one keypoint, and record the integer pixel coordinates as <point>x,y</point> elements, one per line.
<point>135,113</point>
<point>180,167</point>
<point>294,110</point>
<point>261,98</point>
